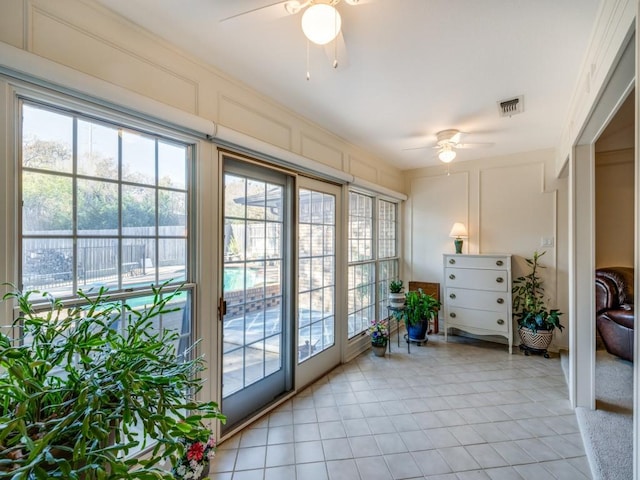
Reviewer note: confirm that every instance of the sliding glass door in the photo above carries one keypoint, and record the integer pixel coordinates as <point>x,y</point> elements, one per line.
<point>257,364</point>
<point>318,228</point>
<point>280,295</point>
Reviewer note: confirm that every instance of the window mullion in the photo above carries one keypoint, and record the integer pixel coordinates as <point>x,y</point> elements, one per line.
<point>74,207</point>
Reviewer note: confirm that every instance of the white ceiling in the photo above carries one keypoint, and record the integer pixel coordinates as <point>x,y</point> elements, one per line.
<point>415,67</point>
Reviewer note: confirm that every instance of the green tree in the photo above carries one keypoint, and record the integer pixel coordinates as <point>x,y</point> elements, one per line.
<point>46,154</point>
<point>48,196</point>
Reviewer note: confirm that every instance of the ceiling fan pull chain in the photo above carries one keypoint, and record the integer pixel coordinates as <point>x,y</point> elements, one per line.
<point>308,73</point>
<point>335,40</point>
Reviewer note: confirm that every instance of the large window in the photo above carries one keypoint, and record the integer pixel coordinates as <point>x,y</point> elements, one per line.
<point>388,261</point>
<point>370,267</point>
<point>102,205</point>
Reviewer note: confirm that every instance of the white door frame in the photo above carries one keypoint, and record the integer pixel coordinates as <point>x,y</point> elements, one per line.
<point>582,347</point>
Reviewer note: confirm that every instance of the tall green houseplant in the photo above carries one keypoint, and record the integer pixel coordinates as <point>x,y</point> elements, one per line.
<point>81,387</point>
<point>529,303</point>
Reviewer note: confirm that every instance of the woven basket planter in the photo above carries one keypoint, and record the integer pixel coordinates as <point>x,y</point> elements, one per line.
<point>537,341</point>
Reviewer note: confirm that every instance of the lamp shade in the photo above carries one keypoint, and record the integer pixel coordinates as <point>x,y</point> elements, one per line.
<point>446,154</point>
<point>458,231</point>
<point>321,23</point>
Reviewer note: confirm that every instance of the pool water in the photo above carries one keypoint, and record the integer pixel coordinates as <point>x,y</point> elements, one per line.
<point>234,278</point>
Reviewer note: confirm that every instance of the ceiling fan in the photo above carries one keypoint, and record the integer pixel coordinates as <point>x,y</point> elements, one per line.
<point>292,7</point>
<point>321,23</point>
<point>448,141</point>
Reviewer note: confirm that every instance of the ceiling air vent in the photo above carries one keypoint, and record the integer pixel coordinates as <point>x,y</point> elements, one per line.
<point>511,106</point>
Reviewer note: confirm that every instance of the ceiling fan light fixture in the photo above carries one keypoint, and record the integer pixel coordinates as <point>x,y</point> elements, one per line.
<point>321,23</point>
<point>446,154</point>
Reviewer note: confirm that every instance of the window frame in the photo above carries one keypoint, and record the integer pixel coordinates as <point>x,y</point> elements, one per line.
<point>90,112</point>
<point>378,285</point>
<point>78,111</point>
<point>393,260</point>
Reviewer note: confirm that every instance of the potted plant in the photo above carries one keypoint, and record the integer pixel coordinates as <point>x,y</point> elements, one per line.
<point>535,321</point>
<point>82,386</point>
<point>379,332</point>
<point>396,297</point>
<point>198,452</point>
<point>419,309</point>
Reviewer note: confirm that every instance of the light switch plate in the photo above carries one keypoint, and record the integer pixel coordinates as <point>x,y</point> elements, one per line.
<point>546,242</point>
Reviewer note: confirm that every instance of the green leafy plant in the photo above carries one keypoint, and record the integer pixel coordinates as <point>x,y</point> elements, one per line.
<point>529,303</point>
<point>395,286</point>
<point>82,386</point>
<point>419,307</point>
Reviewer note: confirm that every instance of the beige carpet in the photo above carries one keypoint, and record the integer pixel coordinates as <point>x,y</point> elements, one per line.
<point>608,431</point>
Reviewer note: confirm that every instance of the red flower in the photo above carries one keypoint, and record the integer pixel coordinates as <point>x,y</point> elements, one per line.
<point>196,451</point>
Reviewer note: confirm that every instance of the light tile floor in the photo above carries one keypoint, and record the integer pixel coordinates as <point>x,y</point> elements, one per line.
<point>463,410</point>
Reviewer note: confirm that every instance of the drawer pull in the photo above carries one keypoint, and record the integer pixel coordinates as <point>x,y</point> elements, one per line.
<point>452,261</point>
<point>452,276</point>
<point>452,295</point>
<point>499,279</point>
<point>500,301</point>
<point>500,321</point>
<point>452,314</point>
<point>499,263</point>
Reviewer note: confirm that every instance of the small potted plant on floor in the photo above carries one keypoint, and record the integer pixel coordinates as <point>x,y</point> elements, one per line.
<point>536,322</point>
<point>379,332</point>
<point>419,309</point>
<point>396,297</point>
<point>199,450</point>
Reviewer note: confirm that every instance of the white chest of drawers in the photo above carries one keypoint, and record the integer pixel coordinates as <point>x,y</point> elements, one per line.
<point>477,295</point>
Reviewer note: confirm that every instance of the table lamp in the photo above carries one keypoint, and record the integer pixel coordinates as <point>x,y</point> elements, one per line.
<point>458,232</point>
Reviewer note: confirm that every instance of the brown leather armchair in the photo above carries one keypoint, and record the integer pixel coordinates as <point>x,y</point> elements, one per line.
<point>615,310</point>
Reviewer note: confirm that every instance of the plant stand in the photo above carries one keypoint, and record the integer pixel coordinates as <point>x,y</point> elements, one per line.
<point>416,334</point>
<point>391,313</point>
<point>535,351</point>
<point>417,341</point>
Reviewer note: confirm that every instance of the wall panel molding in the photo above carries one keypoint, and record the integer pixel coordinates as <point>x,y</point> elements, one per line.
<point>63,42</point>
<point>436,202</point>
<point>237,115</point>
<point>320,151</point>
<point>360,168</point>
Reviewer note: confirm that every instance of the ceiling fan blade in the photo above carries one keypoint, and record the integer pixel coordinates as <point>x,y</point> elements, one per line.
<point>418,148</point>
<point>456,138</point>
<point>336,52</point>
<point>231,17</point>
<point>472,145</point>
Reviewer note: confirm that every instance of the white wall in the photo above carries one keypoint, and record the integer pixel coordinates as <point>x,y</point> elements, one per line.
<point>614,179</point>
<point>509,204</point>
